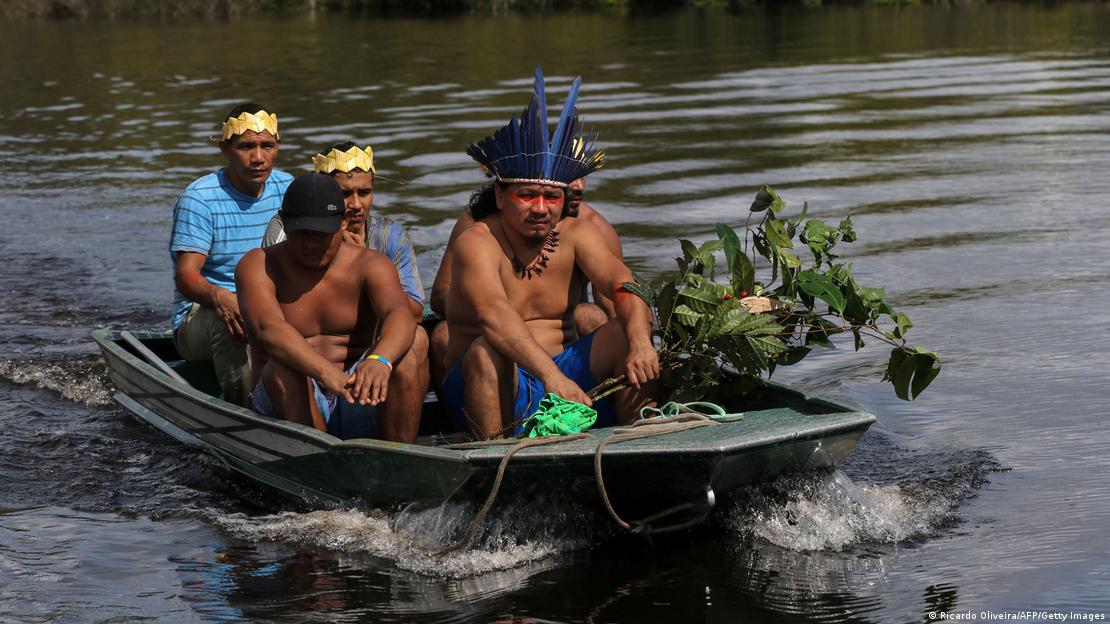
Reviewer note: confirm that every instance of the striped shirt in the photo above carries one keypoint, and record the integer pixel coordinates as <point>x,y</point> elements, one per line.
<point>382,234</point>
<point>214,219</point>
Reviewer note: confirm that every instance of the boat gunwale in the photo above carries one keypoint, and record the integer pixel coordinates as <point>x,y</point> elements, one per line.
<point>479,453</point>
<point>320,439</point>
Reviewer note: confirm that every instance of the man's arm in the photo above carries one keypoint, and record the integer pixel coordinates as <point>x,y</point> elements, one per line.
<point>390,304</point>
<point>613,242</point>
<point>607,272</point>
<point>189,281</point>
<point>265,323</point>
<point>442,284</point>
<point>404,259</point>
<point>476,261</point>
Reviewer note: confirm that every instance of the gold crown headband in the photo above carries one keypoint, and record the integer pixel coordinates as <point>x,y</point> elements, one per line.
<point>258,122</point>
<point>345,162</point>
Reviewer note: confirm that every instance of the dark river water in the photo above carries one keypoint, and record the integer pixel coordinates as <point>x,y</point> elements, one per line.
<point>971,145</point>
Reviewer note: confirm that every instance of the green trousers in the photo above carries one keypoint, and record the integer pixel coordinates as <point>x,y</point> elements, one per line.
<point>203,337</point>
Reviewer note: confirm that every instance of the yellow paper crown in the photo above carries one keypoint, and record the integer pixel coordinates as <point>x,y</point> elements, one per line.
<point>345,162</point>
<point>258,122</point>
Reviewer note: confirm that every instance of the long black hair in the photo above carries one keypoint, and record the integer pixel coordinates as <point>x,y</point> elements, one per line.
<point>483,202</point>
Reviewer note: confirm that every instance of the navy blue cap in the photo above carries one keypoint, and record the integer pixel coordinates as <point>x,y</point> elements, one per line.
<point>314,202</point>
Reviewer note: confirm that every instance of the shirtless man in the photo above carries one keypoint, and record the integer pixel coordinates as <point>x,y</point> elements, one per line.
<point>588,317</point>
<point>518,273</point>
<point>313,302</point>
<point>353,168</point>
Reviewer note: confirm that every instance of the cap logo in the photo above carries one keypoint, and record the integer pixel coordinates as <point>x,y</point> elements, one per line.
<point>332,208</point>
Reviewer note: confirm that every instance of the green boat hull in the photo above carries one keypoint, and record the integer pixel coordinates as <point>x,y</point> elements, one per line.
<point>790,431</point>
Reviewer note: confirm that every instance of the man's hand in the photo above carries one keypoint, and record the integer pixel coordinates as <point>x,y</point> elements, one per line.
<point>357,238</point>
<point>335,381</point>
<point>370,382</point>
<point>641,365</point>
<point>567,389</point>
<point>227,306</point>
<point>353,232</point>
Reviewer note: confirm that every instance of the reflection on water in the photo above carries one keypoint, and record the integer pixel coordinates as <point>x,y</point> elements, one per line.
<point>968,143</point>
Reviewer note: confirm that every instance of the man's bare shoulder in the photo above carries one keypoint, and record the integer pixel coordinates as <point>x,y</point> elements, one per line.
<point>589,214</point>
<point>253,260</point>
<point>476,236</point>
<point>363,256</point>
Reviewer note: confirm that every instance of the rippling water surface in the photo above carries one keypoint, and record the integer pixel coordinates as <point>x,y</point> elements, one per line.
<point>969,144</point>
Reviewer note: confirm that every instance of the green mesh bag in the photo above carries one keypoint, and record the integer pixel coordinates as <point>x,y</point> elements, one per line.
<point>558,416</point>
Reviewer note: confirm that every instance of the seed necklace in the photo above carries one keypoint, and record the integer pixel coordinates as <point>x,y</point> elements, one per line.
<point>536,266</point>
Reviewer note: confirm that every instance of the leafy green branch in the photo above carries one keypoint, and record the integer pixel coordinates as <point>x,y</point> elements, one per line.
<point>755,325</point>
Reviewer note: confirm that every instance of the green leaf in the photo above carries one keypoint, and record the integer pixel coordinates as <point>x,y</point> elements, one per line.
<point>700,298</point>
<point>819,331</point>
<point>740,321</point>
<point>793,355</point>
<point>846,231</point>
<point>854,309</point>
<point>823,288</point>
<point>777,236</point>
<point>772,345</point>
<point>817,232</point>
<point>790,260</point>
<point>858,337</point>
<point>872,295</point>
<point>686,316</point>
<point>664,304</point>
<point>763,199</point>
<point>912,372</point>
<point>904,324</point>
<point>710,247</point>
<point>689,250</point>
<point>926,367</point>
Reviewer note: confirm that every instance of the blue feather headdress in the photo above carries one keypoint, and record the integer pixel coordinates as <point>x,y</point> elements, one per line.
<point>523,152</point>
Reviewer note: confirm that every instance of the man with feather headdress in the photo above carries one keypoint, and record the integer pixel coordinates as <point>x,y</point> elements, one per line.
<point>510,305</point>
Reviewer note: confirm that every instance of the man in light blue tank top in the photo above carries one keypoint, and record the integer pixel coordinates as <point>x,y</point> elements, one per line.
<point>353,168</point>
<point>217,220</point>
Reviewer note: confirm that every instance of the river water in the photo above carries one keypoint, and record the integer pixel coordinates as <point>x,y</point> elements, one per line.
<point>969,144</point>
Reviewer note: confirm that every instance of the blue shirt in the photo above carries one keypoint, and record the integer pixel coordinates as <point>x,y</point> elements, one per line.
<point>214,219</point>
<point>384,235</point>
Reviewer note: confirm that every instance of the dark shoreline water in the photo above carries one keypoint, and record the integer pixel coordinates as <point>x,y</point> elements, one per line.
<point>969,145</point>
<point>177,10</point>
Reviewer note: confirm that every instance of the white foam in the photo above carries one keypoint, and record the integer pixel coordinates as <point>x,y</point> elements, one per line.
<point>829,512</point>
<point>83,382</point>
<point>505,541</point>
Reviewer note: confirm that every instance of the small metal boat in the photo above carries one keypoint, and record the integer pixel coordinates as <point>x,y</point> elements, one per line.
<point>782,430</point>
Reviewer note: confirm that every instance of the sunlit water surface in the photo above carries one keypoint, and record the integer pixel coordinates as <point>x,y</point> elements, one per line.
<point>970,145</point>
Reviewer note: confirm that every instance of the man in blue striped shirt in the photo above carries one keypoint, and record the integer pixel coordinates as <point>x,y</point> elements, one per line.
<point>217,220</point>
<point>353,169</point>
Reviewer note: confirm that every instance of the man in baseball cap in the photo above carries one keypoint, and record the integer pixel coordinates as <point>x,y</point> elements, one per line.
<point>312,303</point>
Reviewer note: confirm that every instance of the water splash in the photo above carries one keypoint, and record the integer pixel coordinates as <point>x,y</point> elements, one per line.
<point>828,511</point>
<point>83,381</point>
<point>514,535</point>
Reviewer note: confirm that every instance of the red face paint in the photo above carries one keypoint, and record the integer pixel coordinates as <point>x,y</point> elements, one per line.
<point>530,195</point>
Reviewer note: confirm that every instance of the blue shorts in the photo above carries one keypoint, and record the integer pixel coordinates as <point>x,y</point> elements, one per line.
<point>345,421</point>
<point>574,362</point>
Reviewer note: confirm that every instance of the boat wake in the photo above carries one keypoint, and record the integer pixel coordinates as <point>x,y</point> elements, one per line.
<point>514,535</point>
<point>80,380</point>
<point>829,511</point>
